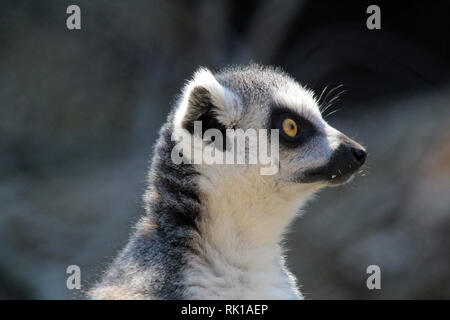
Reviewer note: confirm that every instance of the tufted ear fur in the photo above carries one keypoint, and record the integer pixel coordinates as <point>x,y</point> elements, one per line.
<point>205,99</point>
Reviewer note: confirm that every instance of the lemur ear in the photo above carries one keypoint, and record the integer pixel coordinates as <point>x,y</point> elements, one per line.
<point>205,99</point>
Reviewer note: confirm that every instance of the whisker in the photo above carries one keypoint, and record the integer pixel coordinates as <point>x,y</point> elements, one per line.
<point>321,94</point>
<point>331,91</point>
<point>326,116</point>
<point>330,103</point>
<point>337,96</point>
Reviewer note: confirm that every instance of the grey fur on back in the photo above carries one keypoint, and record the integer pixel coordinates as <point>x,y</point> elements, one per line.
<point>150,266</point>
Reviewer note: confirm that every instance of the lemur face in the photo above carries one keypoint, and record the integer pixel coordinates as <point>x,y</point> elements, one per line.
<point>310,151</point>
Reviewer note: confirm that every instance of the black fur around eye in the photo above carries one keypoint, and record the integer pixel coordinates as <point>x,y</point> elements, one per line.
<point>294,129</point>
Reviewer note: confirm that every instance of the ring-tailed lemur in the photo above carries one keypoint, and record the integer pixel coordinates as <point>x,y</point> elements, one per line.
<point>214,231</point>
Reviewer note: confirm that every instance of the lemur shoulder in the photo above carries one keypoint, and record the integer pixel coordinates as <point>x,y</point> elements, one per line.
<point>214,231</point>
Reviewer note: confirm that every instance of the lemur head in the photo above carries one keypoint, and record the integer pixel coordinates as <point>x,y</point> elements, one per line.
<point>311,153</point>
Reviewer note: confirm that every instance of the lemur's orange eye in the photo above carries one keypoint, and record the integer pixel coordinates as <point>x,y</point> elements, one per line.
<point>289,127</point>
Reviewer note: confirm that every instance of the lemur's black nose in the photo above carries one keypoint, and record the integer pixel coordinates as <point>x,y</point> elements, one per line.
<point>359,154</point>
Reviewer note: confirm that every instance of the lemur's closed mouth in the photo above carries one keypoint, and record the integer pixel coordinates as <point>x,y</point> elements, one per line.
<point>343,163</point>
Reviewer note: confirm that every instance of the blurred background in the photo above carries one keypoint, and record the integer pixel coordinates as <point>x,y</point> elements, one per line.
<point>80,111</point>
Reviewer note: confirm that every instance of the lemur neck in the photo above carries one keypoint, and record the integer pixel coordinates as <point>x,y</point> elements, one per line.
<point>235,214</point>
<point>245,218</point>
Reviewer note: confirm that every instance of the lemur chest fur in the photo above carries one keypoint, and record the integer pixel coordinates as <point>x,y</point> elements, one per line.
<point>238,253</point>
<point>220,279</point>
